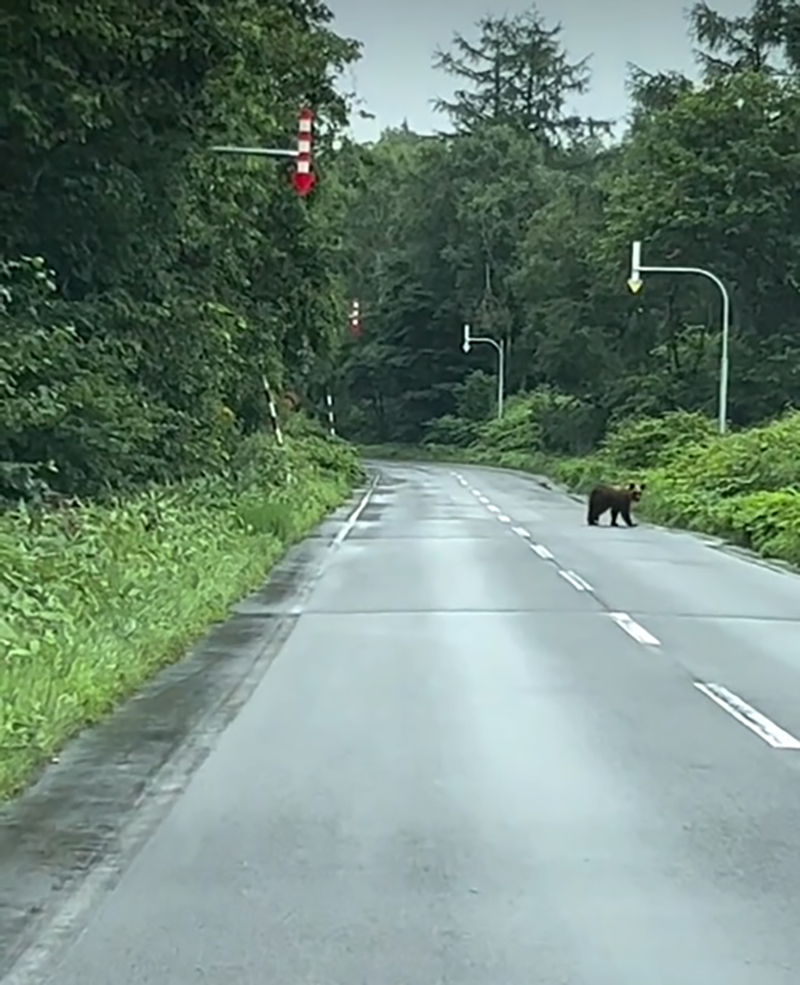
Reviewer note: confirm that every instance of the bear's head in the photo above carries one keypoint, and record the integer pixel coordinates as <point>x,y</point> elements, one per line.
<point>635,491</point>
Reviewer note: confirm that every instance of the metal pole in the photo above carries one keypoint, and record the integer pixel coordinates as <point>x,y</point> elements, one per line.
<point>723,369</point>
<point>501,368</point>
<point>501,373</point>
<point>726,328</point>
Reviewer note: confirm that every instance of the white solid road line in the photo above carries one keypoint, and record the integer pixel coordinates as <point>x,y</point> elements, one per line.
<point>576,581</point>
<point>352,520</point>
<point>765,729</point>
<point>632,628</point>
<point>542,551</point>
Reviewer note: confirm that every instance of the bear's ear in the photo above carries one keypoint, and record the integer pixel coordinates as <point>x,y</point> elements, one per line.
<point>632,485</point>
<point>642,487</point>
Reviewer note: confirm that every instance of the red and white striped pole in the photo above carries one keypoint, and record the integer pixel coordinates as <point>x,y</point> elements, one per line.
<point>273,411</point>
<point>303,178</point>
<point>355,319</point>
<point>331,422</point>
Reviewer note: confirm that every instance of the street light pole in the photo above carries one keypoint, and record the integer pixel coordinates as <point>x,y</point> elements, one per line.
<point>501,369</point>
<point>635,285</point>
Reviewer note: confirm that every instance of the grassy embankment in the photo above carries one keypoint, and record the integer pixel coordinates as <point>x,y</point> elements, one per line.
<point>98,600</point>
<point>744,486</point>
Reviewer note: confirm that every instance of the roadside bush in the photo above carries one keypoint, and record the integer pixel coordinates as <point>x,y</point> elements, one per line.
<point>766,521</point>
<point>101,596</point>
<point>652,441</point>
<point>760,458</point>
<point>581,474</point>
<point>476,397</point>
<point>517,431</point>
<point>569,426</point>
<point>450,430</point>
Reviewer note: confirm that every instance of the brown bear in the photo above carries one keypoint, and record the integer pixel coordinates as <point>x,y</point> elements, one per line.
<point>619,501</point>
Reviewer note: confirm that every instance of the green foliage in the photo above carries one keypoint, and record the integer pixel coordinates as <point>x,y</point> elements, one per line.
<point>100,596</point>
<point>521,225</point>
<point>517,431</point>
<point>180,277</point>
<point>568,425</point>
<point>652,440</point>
<point>476,397</point>
<point>519,75</point>
<point>450,430</point>
<point>767,522</point>
<point>527,238</point>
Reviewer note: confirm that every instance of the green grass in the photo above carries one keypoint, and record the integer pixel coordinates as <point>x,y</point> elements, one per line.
<point>95,602</point>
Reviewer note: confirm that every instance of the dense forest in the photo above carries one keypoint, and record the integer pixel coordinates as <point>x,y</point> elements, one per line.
<point>148,284</point>
<point>518,218</point>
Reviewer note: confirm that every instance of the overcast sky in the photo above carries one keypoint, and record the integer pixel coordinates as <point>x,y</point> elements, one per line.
<point>397,82</point>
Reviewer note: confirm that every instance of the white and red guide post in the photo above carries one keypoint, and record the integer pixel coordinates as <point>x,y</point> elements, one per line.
<point>304,178</point>
<point>355,319</point>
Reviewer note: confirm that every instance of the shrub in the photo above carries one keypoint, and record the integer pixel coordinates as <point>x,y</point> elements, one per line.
<point>450,430</point>
<point>476,397</point>
<point>767,521</point>
<point>101,596</point>
<point>651,441</point>
<point>569,426</point>
<point>762,458</point>
<point>517,431</point>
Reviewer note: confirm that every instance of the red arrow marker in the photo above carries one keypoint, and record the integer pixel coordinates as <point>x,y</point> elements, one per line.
<point>303,182</point>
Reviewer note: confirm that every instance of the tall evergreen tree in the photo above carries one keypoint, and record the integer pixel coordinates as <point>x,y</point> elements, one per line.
<point>518,74</point>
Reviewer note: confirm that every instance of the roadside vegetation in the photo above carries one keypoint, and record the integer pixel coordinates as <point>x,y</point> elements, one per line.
<point>148,289</point>
<point>519,218</point>
<point>98,598</point>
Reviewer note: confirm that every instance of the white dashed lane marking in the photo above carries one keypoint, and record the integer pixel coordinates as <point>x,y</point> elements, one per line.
<point>765,729</point>
<point>576,581</point>
<point>632,628</point>
<point>622,619</point>
<point>744,713</point>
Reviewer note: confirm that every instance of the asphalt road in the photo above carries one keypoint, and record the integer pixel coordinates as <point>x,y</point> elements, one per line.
<point>499,747</point>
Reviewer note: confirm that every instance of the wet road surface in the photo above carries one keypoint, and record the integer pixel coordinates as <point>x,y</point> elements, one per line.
<point>497,747</point>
